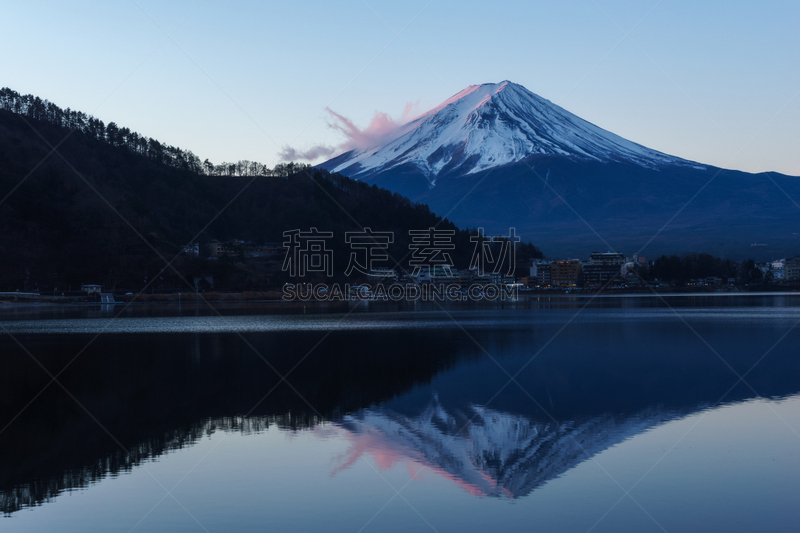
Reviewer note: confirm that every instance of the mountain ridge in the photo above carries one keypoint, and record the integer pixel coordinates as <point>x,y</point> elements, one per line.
<point>490,125</point>
<point>498,156</point>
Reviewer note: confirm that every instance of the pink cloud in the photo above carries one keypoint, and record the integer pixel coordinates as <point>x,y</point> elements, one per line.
<point>410,112</point>
<point>380,128</point>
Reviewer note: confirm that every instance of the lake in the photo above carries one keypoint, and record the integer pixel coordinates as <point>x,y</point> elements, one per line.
<point>554,413</point>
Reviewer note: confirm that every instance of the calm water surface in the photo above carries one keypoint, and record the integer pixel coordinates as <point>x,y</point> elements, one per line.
<point>551,414</point>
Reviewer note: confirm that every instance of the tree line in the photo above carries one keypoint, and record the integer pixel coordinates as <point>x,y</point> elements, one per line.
<point>680,269</point>
<point>35,108</point>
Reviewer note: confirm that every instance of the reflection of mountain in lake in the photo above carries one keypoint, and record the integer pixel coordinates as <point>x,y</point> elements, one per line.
<point>605,380</point>
<point>485,451</point>
<point>489,452</point>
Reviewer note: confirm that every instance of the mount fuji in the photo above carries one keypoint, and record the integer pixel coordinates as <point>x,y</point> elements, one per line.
<point>498,156</point>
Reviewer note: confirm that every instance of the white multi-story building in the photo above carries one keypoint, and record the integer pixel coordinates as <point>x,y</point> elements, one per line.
<point>791,269</point>
<point>778,268</point>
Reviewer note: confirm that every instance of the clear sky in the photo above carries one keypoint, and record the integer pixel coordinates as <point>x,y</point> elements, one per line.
<point>715,82</point>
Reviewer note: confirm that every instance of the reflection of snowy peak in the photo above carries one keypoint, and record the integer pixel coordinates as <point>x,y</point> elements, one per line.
<point>490,452</point>
<point>489,125</point>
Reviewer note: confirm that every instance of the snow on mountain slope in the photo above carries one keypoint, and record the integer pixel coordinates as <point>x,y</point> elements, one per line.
<point>490,125</point>
<point>490,452</point>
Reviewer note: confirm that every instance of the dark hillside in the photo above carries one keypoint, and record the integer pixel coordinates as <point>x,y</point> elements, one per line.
<point>56,231</point>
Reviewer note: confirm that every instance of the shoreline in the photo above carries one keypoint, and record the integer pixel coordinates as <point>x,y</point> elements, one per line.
<point>274,297</point>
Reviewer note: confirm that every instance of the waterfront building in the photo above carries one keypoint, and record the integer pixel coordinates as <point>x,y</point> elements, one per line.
<point>542,274</point>
<point>604,268</point>
<point>608,258</point>
<point>566,273</point>
<point>778,269</point>
<point>214,248</point>
<point>791,269</point>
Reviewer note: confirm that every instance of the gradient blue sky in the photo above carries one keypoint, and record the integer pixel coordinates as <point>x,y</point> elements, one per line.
<point>715,82</point>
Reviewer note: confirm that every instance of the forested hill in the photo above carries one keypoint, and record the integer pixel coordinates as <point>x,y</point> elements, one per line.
<point>78,215</point>
<point>35,108</point>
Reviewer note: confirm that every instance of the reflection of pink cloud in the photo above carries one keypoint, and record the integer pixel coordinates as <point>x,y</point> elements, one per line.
<point>378,130</point>
<point>385,458</point>
<point>387,453</point>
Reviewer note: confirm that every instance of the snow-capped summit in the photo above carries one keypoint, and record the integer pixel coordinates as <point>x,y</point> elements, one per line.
<point>489,125</point>
<point>498,156</point>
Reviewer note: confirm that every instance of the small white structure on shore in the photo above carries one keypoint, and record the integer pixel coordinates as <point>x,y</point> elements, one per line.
<point>90,288</point>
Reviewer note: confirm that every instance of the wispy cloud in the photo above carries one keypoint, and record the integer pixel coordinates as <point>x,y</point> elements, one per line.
<point>318,151</point>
